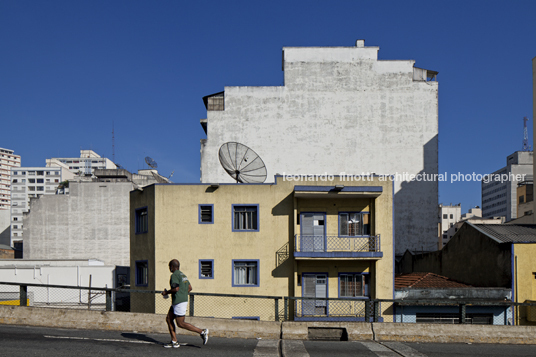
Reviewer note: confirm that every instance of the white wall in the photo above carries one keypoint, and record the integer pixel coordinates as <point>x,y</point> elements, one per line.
<point>340,111</point>
<point>72,273</point>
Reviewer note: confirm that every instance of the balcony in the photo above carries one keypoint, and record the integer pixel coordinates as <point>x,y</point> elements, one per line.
<point>337,247</point>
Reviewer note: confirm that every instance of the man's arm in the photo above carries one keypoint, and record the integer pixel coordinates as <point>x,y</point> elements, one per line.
<point>189,287</point>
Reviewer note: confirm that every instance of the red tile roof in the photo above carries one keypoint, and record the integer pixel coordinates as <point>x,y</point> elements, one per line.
<point>426,280</point>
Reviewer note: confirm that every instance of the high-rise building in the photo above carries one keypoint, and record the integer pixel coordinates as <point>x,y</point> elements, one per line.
<point>448,216</point>
<point>499,189</point>
<point>85,165</point>
<point>8,160</point>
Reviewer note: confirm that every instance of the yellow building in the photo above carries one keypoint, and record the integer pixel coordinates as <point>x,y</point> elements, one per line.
<point>298,237</point>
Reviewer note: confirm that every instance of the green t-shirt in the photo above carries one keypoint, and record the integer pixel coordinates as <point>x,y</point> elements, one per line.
<point>179,279</point>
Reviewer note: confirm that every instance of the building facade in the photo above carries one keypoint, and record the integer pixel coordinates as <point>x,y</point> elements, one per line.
<point>8,160</point>
<point>487,256</point>
<point>340,111</point>
<point>499,189</point>
<point>448,216</point>
<point>85,165</point>
<point>316,239</point>
<point>525,198</point>
<point>27,183</point>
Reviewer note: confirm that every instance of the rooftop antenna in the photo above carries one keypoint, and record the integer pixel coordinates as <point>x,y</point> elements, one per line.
<point>242,163</point>
<point>150,162</point>
<point>171,175</point>
<point>113,144</point>
<point>526,146</point>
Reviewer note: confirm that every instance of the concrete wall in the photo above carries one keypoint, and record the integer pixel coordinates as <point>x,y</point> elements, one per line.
<point>91,222</point>
<point>340,111</point>
<point>151,323</point>
<point>470,257</point>
<point>175,232</point>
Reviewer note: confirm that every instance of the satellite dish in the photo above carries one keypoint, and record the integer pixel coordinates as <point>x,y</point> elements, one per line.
<point>242,163</point>
<point>151,162</point>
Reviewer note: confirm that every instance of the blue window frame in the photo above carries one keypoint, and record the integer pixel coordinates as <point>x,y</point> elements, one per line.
<point>142,220</point>
<point>142,273</point>
<point>245,217</point>
<point>206,268</point>
<point>246,272</point>
<point>206,214</point>
<point>354,285</point>
<point>354,224</point>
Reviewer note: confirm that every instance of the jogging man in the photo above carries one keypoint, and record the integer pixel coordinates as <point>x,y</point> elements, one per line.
<point>180,287</point>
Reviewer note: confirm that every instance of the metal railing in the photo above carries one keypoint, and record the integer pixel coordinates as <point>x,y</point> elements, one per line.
<point>321,243</point>
<point>267,308</point>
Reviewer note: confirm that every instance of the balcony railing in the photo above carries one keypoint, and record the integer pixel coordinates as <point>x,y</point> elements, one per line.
<point>335,246</point>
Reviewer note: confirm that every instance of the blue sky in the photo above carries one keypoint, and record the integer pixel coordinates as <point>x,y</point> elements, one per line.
<point>69,70</point>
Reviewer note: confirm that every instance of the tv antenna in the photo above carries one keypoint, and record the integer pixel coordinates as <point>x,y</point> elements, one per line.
<point>171,175</point>
<point>242,163</point>
<point>150,162</point>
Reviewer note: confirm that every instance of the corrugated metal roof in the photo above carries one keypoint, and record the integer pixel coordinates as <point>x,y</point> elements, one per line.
<point>426,280</point>
<point>509,233</point>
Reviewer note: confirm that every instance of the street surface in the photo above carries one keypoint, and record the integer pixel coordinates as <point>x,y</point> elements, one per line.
<point>35,341</point>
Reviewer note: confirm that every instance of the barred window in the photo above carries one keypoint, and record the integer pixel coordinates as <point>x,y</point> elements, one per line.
<point>206,269</point>
<point>245,273</point>
<point>353,285</point>
<point>245,218</point>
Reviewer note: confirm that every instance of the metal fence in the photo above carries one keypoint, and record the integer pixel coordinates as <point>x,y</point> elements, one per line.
<point>321,243</point>
<point>270,308</point>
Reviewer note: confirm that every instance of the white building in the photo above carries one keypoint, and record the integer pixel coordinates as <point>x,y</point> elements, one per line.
<point>340,111</point>
<point>85,165</point>
<point>8,160</point>
<point>56,272</point>
<point>91,221</point>
<point>448,216</point>
<point>28,182</point>
<point>499,189</point>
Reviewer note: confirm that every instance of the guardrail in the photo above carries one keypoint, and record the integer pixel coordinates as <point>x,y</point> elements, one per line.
<point>259,307</point>
<point>322,243</point>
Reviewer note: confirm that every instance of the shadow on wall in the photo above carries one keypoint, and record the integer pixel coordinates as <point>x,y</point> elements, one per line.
<point>5,236</point>
<point>416,206</point>
<point>284,267</point>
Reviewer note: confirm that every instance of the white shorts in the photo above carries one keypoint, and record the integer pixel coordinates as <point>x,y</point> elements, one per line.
<point>180,308</point>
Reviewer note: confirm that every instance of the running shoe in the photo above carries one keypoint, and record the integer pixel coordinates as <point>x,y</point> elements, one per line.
<point>204,336</point>
<point>174,344</point>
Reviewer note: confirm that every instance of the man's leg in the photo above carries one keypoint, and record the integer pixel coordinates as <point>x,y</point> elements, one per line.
<point>170,320</point>
<point>185,325</point>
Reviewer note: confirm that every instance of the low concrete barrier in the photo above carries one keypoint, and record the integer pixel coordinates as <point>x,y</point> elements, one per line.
<point>357,331</point>
<point>387,331</point>
<point>130,321</point>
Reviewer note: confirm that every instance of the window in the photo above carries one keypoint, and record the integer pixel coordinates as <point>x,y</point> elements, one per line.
<point>521,198</point>
<point>451,216</point>
<point>15,180</point>
<point>31,180</point>
<point>245,273</point>
<point>206,215</point>
<point>142,220</point>
<point>445,216</point>
<point>353,285</point>
<point>142,268</point>
<point>206,269</point>
<point>40,181</point>
<point>246,218</point>
<point>31,188</point>
<point>354,224</point>
<point>40,188</point>
<point>40,173</point>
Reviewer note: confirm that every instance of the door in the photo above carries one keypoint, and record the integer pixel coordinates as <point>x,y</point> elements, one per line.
<point>314,286</point>
<point>313,232</point>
